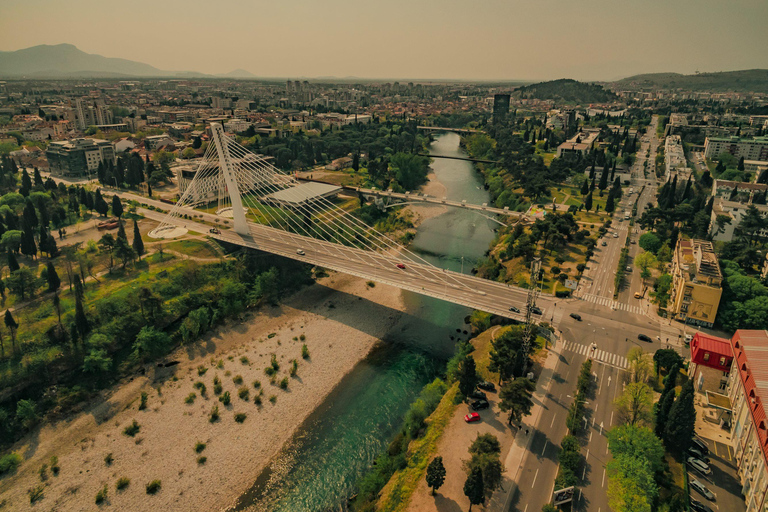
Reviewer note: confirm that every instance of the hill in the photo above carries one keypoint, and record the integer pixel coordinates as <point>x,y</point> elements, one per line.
<point>566,90</point>
<point>748,80</point>
<point>238,73</point>
<point>66,60</point>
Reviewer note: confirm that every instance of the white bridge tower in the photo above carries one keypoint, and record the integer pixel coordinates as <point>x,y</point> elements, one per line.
<point>228,171</point>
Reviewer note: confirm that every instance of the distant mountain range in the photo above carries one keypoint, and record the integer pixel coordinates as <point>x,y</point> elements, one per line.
<point>748,80</point>
<point>67,61</point>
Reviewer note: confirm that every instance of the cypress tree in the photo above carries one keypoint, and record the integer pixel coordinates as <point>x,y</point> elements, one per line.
<point>29,215</point>
<point>609,203</point>
<point>604,178</point>
<point>679,428</point>
<point>149,189</point>
<point>474,488</point>
<point>588,201</point>
<point>28,246</point>
<point>81,321</point>
<point>13,264</point>
<point>435,474</point>
<point>53,278</point>
<point>585,187</point>
<point>121,230</point>
<point>138,243</point>
<point>26,184</point>
<point>38,179</point>
<point>117,206</point>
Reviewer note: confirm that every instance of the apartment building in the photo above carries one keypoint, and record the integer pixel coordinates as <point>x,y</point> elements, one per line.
<point>579,143</point>
<point>747,387</point>
<point>78,157</point>
<point>750,149</point>
<point>733,212</point>
<point>696,283</point>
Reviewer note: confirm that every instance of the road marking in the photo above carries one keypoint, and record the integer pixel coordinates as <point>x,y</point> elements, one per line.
<point>603,483</point>
<point>545,447</point>
<point>526,508</point>
<point>590,436</point>
<point>611,418</point>
<point>553,420</point>
<point>598,405</point>
<point>583,473</point>
<point>534,479</point>
<point>716,449</point>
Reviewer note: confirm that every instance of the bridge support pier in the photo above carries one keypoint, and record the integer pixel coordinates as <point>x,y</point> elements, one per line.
<point>226,168</point>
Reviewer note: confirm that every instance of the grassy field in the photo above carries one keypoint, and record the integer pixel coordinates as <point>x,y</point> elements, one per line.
<point>196,248</point>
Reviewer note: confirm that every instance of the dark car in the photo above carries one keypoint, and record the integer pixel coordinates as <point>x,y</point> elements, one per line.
<point>698,506</point>
<point>576,317</point>
<point>643,337</point>
<point>479,405</point>
<point>514,309</point>
<point>487,386</point>
<point>695,452</point>
<point>477,395</point>
<point>700,445</point>
<point>535,310</point>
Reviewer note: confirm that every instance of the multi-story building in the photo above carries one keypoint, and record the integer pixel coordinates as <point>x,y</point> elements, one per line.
<point>696,283</point>
<point>237,125</point>
<point>90,113</point>
<point>747,387</point>
<point>78,157</point>
<point>674,156</point>
<point>750,149</point>
<point>579,143</point>
<point>730,213</point>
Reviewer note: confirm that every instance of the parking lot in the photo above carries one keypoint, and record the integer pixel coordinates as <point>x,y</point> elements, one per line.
<point>723,481</point>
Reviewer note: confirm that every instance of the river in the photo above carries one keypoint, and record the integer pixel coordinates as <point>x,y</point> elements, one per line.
<point>338,442</point>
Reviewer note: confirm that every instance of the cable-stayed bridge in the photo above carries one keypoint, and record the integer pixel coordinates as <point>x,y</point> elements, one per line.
<point>273,212</point>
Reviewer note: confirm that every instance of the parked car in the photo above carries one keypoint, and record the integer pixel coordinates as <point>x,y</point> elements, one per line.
<point>699,487</point>
<point>604,243</point>
<point>576,316</point>
<point>643,337</point>
<point>699,465</point>
<point>638,295</point>
<point>300,252</point>
<point>472,417</point>
<point>478,395</point>
<point>694,452</point>
<point>700,445</point>
<point>479,405</point>
<point>514,309</point>
<point>401,266</point>
<point>487,386</point>
<point>535,310</point>
<point>214,231</point>
<point>615,235</point>
<point>698,506</point>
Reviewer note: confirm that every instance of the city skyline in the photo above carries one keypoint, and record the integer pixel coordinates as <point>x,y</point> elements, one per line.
<point>505,41</point>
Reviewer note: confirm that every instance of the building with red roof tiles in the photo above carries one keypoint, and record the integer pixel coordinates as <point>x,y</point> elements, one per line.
<point>747,389</point>
<point>711,359</point>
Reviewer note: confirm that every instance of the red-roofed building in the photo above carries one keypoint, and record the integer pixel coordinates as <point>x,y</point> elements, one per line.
<point>747,389</point>
<point>712,357</point>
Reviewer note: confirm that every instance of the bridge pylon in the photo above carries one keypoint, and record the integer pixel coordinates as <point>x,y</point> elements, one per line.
<point>227,170</point>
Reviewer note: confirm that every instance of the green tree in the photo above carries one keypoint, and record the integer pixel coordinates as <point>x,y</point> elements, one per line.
<point>609,207</point>
<point>665,358</point>
<point>12,325</point>
<point>138,243</point>
<point>151,343</point>
<point>123,251</point>
<point>516,398</point>
<point>117,206</point>
<point>637,442</point>
<point>588,201</point>
<point>504,352</point>
<point>26,413</point>
<point>53,278</point>
<point>468,377</point>
<point>473,487</point>
<point>107,244</point>
<point>650,242</point>
<point>663,406</point>
<point>585,187</point>
<point>679,429</point>
<point>97,361</point>
<point>631,487</point>
<point>435,474</point>
<point>634,404</point>
<point>81,320</point>
<point>21,282</point>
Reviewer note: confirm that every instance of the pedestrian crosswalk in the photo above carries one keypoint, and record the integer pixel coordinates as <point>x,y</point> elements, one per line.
<point>618,306</point>
<point>602,356</point>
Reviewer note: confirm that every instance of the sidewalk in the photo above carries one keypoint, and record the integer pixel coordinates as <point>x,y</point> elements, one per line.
<point>518,453</point>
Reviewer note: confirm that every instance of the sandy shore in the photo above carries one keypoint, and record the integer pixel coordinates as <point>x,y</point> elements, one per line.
<point>426,211</point>
<point>341,318</point>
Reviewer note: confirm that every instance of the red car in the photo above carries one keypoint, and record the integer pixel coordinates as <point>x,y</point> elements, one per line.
<point>401,266</point>
<point>472,417</point>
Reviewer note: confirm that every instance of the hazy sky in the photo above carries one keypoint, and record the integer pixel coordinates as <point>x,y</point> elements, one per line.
<point>470,39</point>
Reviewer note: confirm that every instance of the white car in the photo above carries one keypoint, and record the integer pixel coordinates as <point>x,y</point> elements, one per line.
<point>615,235</point>
<point>699,466</point>
<point>300,252</point>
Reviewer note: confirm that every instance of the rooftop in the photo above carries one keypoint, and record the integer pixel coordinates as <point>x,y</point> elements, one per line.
<point>698,257</point>
<point>303,193</point>
<point>750,348</point>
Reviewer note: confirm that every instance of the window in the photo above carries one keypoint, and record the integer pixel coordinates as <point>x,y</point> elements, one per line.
<point>722,360</point>
<point>706,356</point>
